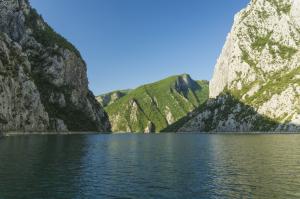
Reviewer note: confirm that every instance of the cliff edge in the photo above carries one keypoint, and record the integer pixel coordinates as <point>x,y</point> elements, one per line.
<point>43,79</point>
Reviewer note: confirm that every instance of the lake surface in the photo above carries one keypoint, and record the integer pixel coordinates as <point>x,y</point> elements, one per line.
<point>166,166</point>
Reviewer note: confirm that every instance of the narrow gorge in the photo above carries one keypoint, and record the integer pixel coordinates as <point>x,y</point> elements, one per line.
<point>255,85</point>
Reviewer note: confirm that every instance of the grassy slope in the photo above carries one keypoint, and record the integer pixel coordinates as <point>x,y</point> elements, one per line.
<point>110,97</point>
<point>153,102</point>
<point>111,93</point>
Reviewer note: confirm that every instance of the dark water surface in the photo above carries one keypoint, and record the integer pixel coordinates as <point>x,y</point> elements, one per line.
<point>166,166</point>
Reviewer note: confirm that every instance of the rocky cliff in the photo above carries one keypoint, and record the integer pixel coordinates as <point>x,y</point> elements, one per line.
<point>154,107</point>
<point>43,80</point>
<point>256,82</point>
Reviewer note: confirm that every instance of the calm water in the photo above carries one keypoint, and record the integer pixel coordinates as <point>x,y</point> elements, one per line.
<point>168,166</point>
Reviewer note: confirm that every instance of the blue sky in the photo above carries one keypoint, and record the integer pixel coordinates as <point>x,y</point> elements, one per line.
<point>127,43</point>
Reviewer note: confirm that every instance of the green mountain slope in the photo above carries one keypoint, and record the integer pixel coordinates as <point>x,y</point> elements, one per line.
<point>153,107</point>
<point>109,98</point>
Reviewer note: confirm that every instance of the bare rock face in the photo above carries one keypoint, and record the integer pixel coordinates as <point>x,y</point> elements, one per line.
<point>43,80</point>
<point>20,101</point>
<point>150,128</point>
<point>258,69</point>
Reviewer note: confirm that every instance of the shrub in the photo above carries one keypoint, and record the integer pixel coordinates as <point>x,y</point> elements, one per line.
<point>47,36</point>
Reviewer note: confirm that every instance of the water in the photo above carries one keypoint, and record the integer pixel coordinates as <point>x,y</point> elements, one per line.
<point>167,166</point>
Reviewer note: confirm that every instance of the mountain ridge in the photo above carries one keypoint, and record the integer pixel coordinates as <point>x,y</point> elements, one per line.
<point>108,98</point>
<point>152,107</point>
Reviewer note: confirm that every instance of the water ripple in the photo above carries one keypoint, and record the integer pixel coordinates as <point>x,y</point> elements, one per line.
<point>167,166</point>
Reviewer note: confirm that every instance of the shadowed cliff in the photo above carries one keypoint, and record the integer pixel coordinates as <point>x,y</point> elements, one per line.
<point>228,114</point>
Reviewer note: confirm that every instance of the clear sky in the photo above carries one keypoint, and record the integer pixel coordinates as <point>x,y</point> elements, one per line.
<point>127,43</point>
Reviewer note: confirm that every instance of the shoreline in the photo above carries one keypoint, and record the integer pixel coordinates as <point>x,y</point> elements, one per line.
<point>19,133</point>
<point>16,133</point>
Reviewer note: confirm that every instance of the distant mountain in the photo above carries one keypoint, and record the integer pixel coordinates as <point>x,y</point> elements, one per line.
<point>153,107</point>
<point>256,82</point>
<point>109,98</point>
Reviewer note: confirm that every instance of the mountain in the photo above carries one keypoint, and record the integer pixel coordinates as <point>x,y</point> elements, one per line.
<point>43,80</point>
<point>153,107</point>
<point>109,98</point>
<point>256,82</point>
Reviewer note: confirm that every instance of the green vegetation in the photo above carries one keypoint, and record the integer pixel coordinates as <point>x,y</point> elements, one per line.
<point>232,107</point>
<point>159,103</point>
<point>45,35</point>
<point>125,92</point>
<point>74,117</point>
<point>286,52</point>
<point>278,82</point>
<point>260,42</point>
<point>251,62</point>
<point>263,14</point>
<point>247,59</point>
<point>281,7</point>
<point>109,98</point>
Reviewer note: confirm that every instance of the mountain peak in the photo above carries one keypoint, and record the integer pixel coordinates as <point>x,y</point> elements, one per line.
<point>256,77</point>
<point>264,38</point>
<point>155,106</point>
<point>187,79</point>
<point>183,83</point>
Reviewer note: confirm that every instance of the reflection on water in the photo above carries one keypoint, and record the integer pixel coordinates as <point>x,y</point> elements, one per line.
<point>183,166</point>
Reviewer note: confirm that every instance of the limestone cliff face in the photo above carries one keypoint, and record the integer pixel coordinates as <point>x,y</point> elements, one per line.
<point>258,71</point>
<point>43,80</point>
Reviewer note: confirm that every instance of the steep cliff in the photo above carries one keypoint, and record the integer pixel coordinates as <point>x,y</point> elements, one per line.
<point>154,107</point>
<point>256,82</point>
<point>43,80</point>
